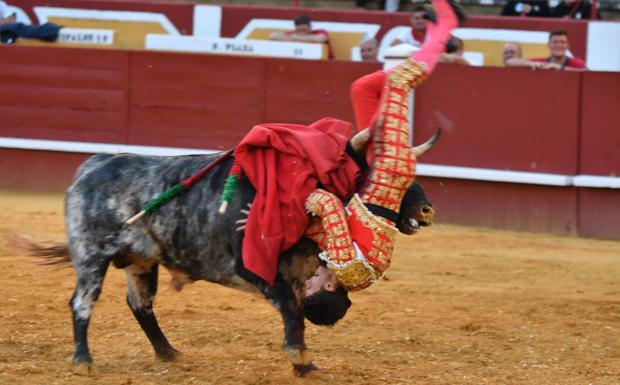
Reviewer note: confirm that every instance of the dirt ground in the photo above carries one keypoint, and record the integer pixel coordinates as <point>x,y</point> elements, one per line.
<point>461,306</point>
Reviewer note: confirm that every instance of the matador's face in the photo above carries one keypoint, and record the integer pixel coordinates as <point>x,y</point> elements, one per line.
<point>323,278</point>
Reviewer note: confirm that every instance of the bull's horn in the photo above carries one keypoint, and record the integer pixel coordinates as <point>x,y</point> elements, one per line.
<point>421,149</point>
<point>360,140</point>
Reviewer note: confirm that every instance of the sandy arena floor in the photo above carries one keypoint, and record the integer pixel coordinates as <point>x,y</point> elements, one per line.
<point>461,306</point>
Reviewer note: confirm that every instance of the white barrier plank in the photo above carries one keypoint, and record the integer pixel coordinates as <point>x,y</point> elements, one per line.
<point>428,170</point>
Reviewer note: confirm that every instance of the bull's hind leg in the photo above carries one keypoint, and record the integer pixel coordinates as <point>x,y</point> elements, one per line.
<point>89,280</point>
<point>141,290</point>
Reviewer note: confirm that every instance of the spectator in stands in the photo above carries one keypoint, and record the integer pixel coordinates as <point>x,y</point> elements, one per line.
<point>304,33</point>
<point>11,30</point>
<point>558,48</point>
<point>386,5</point>
<point>366,91</point>
<point>5,17</point>
<point>416,35</point>
<point>573,9</point>
<point>454,52</point>
<point>511,51</point>
<point>558,58</point>
<point>512,56</point>
<point>529,8</point>
<point>369,49</point>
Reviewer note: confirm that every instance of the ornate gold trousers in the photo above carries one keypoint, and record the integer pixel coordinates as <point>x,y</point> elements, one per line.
<point>356,244</point>
<point>392,169</point>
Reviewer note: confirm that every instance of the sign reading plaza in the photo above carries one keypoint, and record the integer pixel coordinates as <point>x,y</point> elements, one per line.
<point>231,46</point>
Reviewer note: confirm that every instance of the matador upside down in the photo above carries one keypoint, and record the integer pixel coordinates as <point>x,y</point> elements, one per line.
<point>357,243</point>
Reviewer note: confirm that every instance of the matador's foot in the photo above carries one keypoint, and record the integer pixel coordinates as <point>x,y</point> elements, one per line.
<point>456,7</point>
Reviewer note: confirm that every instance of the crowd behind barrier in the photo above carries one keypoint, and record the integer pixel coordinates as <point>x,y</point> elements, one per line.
<point>206,28</point>
<point>576,9</point>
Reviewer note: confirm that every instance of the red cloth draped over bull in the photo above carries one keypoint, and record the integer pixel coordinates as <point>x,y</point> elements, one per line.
<point>285,163</point>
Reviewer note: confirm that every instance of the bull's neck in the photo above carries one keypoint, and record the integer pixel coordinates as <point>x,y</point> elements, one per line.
<point>393,163</point>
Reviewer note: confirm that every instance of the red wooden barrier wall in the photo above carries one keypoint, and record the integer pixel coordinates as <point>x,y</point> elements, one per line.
<point>503,118</point>
<point>64,94</point>
<point>506,119</point>
<point>599,209</point>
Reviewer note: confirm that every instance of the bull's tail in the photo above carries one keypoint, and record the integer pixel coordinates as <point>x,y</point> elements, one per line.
<point>48,252</point>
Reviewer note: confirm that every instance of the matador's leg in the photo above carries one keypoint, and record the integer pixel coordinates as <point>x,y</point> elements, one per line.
<point>393,162</point>
<point>360,256</point>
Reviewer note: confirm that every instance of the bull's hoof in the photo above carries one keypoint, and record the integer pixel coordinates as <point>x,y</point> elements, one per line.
<point>169,355</point>
<point>84,369</point>
<point>311,371</point>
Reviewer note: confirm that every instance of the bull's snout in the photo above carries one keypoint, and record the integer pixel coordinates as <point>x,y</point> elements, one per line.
<point>427,215</point>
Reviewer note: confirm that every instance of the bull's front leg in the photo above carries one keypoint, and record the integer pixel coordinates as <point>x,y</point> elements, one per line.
<point>288,297</point>
<point>293,346</point>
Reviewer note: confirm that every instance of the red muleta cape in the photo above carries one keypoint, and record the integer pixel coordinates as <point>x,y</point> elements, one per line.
<point>284,163</point>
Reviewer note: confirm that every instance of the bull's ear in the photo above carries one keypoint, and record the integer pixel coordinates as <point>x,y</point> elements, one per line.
<point>424,147</point>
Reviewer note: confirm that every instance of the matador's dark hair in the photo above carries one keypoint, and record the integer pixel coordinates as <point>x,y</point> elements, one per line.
<point>327,307</point>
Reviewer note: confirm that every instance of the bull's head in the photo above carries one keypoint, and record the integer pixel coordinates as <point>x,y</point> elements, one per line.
<point>415,211</point>
<point>415,208</point>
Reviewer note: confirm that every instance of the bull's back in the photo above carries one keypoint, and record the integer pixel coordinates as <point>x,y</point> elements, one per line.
<point>108,175</point>
<point>185,233</point>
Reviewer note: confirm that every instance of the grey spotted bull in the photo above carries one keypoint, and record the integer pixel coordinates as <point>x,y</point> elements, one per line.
<point>186,236</point>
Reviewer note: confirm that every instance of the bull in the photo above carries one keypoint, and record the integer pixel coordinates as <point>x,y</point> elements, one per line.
<point>187,236</point>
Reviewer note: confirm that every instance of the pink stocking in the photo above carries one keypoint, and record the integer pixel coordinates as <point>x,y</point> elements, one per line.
<point>439,35</point>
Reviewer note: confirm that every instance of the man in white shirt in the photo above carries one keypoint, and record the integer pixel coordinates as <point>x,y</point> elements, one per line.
<point>417,34</point>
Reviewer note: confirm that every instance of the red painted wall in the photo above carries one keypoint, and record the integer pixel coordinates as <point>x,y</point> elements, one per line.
<point>155,98</point>
<point>37,170</point>
<point>212,101</point>
<point>599,213</point>
<point>63,94</point>
<point>599,209</point>
<point>600,124</point>
<point>508,119</point>
<point>504,118</point>
<point>504,205</point>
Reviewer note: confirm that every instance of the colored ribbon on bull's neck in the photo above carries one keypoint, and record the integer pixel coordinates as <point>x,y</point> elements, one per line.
<point>230,187</point>
<point>154,204</point>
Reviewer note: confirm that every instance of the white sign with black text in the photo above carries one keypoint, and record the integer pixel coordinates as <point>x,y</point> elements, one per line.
<point>86,36</point>
<point>231,46</point>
